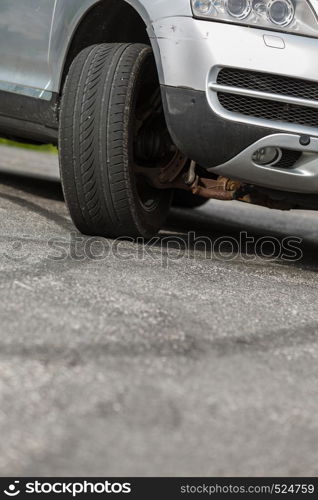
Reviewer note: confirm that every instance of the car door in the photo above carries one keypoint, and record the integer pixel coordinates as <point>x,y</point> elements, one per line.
<point>25,31</point>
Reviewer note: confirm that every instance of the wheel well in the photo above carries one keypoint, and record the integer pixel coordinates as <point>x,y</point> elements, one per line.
<point>106,22</point>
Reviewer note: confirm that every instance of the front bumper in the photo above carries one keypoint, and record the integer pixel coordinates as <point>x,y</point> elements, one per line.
<point>202,134</point>
<point>191,48</point>
<point>211,134</point>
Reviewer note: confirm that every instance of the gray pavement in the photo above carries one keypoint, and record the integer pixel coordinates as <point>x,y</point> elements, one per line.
<point>156,364</point>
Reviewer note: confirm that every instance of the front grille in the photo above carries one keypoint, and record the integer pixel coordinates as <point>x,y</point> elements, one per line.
<point>269,110</point>
<point>266,82</point>
<point>259,107</point>
<point>288,158</point>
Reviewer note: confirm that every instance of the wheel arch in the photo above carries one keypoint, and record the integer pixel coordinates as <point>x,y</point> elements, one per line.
<point>98,21</point>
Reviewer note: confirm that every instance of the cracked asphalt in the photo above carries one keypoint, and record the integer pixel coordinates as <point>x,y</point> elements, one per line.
<point>116,360</point>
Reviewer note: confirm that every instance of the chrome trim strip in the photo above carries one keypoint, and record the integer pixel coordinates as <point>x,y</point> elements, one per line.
<point>26,91</point>
<point>263,95</point>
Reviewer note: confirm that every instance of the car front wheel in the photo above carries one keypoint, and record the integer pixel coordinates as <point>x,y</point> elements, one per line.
<point>111,124</point>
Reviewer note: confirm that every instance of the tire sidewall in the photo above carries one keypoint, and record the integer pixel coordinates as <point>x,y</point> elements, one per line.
<point>148,221</point>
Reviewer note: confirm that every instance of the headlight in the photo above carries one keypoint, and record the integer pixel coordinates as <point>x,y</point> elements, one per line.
<point>294,16</point>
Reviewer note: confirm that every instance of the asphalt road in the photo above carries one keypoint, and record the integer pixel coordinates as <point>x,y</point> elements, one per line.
<point>169,361</point>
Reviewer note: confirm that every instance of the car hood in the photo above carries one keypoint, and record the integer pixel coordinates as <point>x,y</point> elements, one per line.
<point>314,4</point>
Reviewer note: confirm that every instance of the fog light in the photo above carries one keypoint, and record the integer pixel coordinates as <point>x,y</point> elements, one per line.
<point>238,8</point>
<point>281,12</point>
<point>267,156</point>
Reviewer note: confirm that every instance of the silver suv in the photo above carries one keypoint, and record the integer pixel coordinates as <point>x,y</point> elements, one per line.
<point>153,102</point>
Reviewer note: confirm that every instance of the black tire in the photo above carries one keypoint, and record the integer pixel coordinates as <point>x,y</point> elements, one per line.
<point>96,142</point>
<point>185,199</point>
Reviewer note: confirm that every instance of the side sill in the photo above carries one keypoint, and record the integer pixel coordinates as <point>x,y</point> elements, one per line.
<point>29,118</point>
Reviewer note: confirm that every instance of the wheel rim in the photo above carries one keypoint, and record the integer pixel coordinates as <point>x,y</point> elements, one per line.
<point>152,144</point>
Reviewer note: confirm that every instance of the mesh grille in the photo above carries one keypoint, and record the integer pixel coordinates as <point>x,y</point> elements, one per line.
<point>266,82</point>
<point>269,110</point>
<point>262,108</point>
<point>288,159</point>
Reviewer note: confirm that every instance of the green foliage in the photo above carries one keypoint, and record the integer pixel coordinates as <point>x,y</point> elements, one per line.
<point>43,147</point>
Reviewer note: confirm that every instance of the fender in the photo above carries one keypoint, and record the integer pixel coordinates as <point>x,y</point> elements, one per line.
<point>69,15</point>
